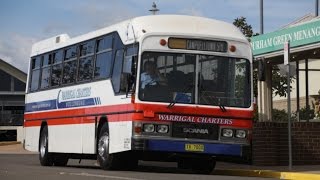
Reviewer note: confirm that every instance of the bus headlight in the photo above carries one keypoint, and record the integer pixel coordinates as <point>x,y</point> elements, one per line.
<point>241,133</point>
<point>227,132</point>
<point>162,128</point>
<point>148,128</point>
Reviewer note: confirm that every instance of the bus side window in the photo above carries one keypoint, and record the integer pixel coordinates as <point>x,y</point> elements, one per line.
<point>35,76</point>
<point>85,67</point>
<point>45,71</point>
<point>56,68</point>
<point>103,60</point>
<point>117,71</point>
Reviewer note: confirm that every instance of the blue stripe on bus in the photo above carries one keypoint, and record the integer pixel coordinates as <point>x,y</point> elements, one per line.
<point>52,104</point>
<point>41,105</point>
<point>179,146</point>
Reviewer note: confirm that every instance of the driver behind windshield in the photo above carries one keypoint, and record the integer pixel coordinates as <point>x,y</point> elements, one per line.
<point>151,75</point>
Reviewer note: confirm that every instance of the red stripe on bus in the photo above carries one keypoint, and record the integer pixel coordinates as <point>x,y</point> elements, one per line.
<point>79,112</point>
<point>150,112</point>
<point>75,120</point>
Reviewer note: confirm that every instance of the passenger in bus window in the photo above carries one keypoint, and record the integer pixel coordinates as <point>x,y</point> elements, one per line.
<point>151,75</point>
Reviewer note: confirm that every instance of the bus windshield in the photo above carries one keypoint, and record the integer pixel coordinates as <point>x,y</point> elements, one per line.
<point>195,79</point>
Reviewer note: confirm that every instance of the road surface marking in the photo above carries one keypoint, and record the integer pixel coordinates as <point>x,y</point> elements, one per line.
<point>99,175</point>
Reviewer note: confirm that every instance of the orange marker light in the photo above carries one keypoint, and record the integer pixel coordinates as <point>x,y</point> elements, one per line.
<point>232,48</point>
<point>163,42</point>
<point>138,129</point>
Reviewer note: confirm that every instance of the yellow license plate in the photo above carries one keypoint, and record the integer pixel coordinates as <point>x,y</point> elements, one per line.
<point>194,147</point>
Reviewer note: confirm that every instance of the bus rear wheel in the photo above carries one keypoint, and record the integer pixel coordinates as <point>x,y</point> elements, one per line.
<point>46,158</point>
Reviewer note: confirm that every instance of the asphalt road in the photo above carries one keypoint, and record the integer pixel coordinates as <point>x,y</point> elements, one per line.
<point>27,167</point>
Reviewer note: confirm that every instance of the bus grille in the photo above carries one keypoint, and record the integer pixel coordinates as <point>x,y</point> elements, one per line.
<point>195,130</point>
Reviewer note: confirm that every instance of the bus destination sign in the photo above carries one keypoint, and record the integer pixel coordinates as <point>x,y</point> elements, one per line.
<point>197,44</point>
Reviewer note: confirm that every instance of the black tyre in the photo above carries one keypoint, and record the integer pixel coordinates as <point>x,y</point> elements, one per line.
<point>60,159</point>
<point>46,158</point>
<point>200,166</point>
<point>105,159</point>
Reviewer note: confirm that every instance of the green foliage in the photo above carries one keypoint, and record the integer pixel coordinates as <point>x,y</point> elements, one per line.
<point>279,82</point>
<point>306,114</point>
<point>244,27</point>
<point>279,115</point>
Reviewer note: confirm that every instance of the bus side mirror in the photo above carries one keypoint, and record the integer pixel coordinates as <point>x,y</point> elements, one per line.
<point>127,65</point>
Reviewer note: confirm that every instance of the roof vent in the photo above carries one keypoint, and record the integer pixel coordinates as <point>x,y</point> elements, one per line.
<point>57,39</point>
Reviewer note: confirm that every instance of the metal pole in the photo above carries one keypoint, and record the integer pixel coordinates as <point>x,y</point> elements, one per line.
<point>289,119</point>
<point>298,91</point>
<point>261,16</point>
<point>307,87</point>
<point>287,61</point>
<point>317,8</point>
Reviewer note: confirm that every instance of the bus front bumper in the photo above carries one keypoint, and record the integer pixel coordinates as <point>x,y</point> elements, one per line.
<point>181,146</point>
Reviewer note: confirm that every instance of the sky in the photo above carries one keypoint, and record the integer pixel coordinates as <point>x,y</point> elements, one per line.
<point>24,22</point>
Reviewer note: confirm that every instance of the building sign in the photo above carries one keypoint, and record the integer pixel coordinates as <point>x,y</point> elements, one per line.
<point>300,35</point>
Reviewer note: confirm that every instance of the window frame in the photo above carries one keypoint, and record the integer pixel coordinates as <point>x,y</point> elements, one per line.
<point>116,44</point>
<point>33,69</point>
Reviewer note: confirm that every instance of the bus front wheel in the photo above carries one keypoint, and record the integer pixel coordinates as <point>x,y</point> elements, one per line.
<point>105,159</point>
<point>46,158</point>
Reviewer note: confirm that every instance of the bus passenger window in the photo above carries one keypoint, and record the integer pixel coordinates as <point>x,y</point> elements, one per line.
<point>87,48</point>
<point>103,65</point>
<point>56,74</point>
<point>56,68</point>
<point>35,80</point>
<point>35,66</point>
<point>46,60</point>
<point>45,71</point>
<point>70,53</point>
<point>36,62</point>
<point>56,57</point>
<point>85,68</point>
<point>69,72</point>
<point>104,43</point>
<point>117,69</point>
<point>45,77</point>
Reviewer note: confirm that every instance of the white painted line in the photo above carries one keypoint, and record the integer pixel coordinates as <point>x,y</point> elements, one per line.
<point>98,175</point>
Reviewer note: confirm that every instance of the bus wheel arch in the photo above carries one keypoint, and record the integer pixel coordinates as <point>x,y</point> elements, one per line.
<point>102,120</point>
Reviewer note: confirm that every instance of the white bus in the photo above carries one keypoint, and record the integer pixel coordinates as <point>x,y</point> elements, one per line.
<point>164,87</point>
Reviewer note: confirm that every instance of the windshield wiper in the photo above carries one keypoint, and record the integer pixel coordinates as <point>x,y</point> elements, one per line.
<point>222,108</point>
<point>174,101</point>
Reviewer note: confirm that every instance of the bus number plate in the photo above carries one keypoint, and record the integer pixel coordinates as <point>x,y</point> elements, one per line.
<point>194,147</point>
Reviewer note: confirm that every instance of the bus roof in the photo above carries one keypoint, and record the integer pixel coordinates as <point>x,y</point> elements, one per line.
<point>134,29</point>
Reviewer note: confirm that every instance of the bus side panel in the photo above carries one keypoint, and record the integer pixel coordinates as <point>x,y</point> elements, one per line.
<point>65,138</point>
<point>120,136</point>
<point>32,138</point>
<point>88,138</point>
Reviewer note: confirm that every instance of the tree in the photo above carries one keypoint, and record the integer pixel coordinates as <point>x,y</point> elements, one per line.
<point>279,82</point>
<point>244,27</point>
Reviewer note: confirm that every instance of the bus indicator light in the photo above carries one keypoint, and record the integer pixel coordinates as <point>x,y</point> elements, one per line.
<point>232,48</point>
<point>163,42</point>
